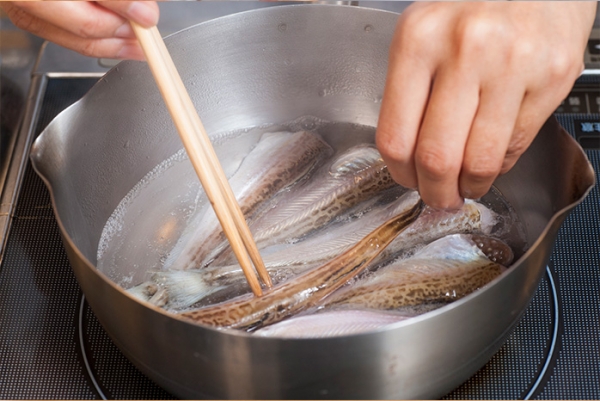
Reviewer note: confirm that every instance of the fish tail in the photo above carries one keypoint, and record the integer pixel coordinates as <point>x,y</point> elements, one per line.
<point>143,291</point>
<point>184,288</point>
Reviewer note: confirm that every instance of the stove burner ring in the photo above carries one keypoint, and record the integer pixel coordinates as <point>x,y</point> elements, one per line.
<point>554,340</point>
<point>84,348</point>
<point>100,356</point>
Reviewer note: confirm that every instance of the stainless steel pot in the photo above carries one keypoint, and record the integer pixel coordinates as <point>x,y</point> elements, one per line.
<point>267,67</point>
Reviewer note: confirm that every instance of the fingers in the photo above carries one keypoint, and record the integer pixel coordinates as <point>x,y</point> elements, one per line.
<point>144,13</point>
<point>539,102</point>
<point>85,19</point>
<point>96,29</point>
<point>443,134</point>
<point>534,111</point>
<point>102,47</point>
<point>489,138</point>
<point>402,108</point>
<point>466,104</point>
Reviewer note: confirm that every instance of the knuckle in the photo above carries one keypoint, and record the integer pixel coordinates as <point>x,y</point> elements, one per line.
<point>518,145</point>
<point>391,148</point>
<point>89,28</point>
<point>89,48</point>
<point>523,51</point>
<point>416,30</point>
<point>562,65</point>
<point>474,35</point>
<point>481,170</point>
<point>434,162</point>
<point>23,20</point>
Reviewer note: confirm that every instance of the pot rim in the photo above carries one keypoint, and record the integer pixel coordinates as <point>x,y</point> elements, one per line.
<point>37,150</point>
<point>390,327</point>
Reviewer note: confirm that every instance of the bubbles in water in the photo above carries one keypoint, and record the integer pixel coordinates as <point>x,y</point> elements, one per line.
<point>167,202</point>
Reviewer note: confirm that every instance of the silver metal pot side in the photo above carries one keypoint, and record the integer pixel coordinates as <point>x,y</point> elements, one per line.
<point>272,66</point>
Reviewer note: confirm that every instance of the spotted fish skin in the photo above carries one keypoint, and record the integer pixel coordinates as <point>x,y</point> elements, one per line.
<point>277,161</point>
<point>250,312</point>
<point>305,255</point>
<point>357,175</point>
<point>444,271</point>
<point>353,177</point>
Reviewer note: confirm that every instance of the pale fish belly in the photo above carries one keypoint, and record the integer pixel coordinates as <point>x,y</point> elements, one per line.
<point>331,324</point>
<point>353,177</point>
<point>277,161</point>
<point>433,224</point>
<point>250,312</point>
<point>302,255</point>
<point>443,271</point>
<point>187,288</point>
<point>473,217</point>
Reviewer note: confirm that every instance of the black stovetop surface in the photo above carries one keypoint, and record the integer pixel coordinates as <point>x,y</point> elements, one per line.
<point>52,346</point>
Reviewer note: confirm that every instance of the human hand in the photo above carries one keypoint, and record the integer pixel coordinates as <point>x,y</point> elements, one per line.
<point>95,29</point>
<point>469,86</point>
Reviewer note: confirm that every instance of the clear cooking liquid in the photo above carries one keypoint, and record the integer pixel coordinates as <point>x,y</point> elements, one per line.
<point>139,236</point>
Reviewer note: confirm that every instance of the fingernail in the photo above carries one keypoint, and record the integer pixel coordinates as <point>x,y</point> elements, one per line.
<point>143,14</point>
<point>131,52</point>
<point>124,31</point>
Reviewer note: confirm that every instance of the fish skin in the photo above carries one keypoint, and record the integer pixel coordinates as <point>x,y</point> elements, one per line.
<point>260,176</point>
<point>183,287</point>
<point>250,312</point>
<point>331,324</point>
<point>431,225</point>
<point>143,291</point>
<point>353,177</point>
<point>150,292</point>
<point>305,255</point>
<point>443,271</point>
<point>495,249</point>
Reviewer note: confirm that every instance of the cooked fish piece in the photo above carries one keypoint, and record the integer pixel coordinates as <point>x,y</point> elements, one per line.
<point>443,271</point>
<point>331,324</point>
<point>473,217</point>
<point>303,256</point>
<point>277,161</point>
<point>250,312</point>
<point>184,287</point>
<point>151,293</point>
<point>358,174</point>
<point>188,287</point>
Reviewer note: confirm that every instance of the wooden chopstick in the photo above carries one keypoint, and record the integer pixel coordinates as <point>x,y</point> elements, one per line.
<point>202,156</point>
<point>232,204</point>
